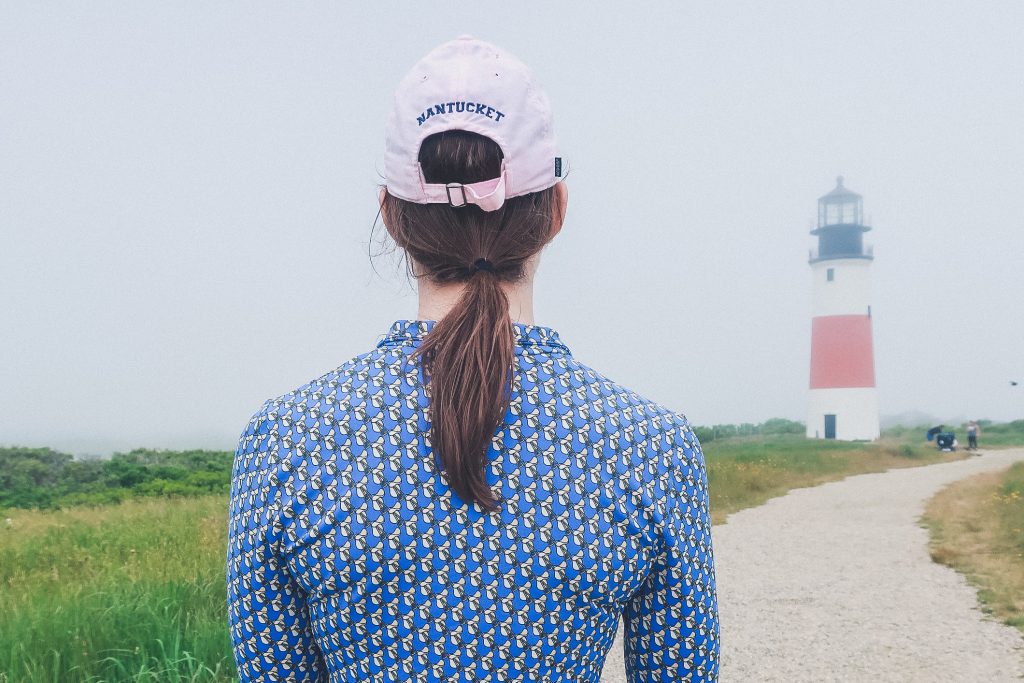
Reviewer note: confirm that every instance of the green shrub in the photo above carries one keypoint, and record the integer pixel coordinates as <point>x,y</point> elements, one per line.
<point>44,478</point>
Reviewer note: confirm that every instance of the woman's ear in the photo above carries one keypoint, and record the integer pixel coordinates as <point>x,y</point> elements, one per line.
<point>561,204</point>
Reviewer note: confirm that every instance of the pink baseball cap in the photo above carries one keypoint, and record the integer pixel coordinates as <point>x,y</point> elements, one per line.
<point>467,84</point>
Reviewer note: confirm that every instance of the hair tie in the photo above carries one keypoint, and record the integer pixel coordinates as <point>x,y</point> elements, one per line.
<point>483,264</point>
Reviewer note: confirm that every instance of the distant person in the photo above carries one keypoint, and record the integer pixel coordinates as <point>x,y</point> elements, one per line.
<point>973,431</point>
<point>467,501</point>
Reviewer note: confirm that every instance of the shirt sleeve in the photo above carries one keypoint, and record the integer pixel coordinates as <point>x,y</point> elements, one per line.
<point>270,626</point>
<point>671,623</point>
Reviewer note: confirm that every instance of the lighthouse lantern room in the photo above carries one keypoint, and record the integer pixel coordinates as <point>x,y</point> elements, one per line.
<point>843,400</point>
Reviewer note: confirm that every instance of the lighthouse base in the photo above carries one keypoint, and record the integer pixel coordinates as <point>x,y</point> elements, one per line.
<point>843,414</point>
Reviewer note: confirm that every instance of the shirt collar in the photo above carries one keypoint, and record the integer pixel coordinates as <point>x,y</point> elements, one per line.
<point>525,335</point>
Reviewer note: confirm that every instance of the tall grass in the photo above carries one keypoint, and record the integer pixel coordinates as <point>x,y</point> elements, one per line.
<point>130,592</point>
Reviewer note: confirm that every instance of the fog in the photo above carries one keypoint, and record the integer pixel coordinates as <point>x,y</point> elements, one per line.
<point>187,192</point>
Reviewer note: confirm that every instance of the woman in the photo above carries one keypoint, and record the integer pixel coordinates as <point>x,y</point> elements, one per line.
<point>973,430</point>
<point>467,501</point>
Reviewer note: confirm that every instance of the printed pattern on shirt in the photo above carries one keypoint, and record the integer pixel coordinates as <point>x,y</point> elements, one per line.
<point>349,558</point>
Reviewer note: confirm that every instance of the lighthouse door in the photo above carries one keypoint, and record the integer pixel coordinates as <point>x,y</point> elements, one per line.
<point>830,426</point>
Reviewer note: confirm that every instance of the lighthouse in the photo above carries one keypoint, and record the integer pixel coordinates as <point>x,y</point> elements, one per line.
<point>843,401</point>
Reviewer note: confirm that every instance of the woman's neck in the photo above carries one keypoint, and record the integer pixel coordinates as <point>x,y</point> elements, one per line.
<point>436,300</point>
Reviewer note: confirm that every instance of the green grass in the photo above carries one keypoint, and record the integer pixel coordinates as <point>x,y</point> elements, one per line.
<point>977,527</point>
<point>129,592</point>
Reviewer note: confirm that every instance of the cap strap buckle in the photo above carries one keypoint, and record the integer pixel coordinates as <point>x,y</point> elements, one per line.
<point>462,190</point>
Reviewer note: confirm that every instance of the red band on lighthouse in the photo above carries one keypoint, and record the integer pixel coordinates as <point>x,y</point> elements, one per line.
<point>841,352</point>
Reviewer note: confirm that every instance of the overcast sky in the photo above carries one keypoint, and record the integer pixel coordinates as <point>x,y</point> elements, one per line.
<point>187,192</point>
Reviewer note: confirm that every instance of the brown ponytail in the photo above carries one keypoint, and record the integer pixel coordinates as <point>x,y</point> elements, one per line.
<point>468,356</point>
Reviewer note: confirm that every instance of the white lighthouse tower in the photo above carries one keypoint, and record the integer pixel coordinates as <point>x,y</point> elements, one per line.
<point>843,400</point>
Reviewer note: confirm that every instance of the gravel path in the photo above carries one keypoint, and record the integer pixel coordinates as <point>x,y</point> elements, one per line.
<point>834,583</point>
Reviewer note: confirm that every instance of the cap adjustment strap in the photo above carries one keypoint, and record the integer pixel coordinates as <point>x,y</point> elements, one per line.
<point>489,195</point>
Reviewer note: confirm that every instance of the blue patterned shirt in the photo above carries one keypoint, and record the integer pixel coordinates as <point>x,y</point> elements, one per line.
<point>350,560</point>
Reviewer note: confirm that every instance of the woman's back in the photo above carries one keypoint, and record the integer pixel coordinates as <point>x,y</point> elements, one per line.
<point>350,559</point>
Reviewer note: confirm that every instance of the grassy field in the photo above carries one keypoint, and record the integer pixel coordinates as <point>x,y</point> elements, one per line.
<point>744,472</point>
<point>1007,434</point>
<point>136,591</point>
<point>977,527</point>
<point>992,435</point>
<point>128,592</point>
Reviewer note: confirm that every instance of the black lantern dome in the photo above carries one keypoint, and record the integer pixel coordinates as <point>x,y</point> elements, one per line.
<point>841,226</point>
